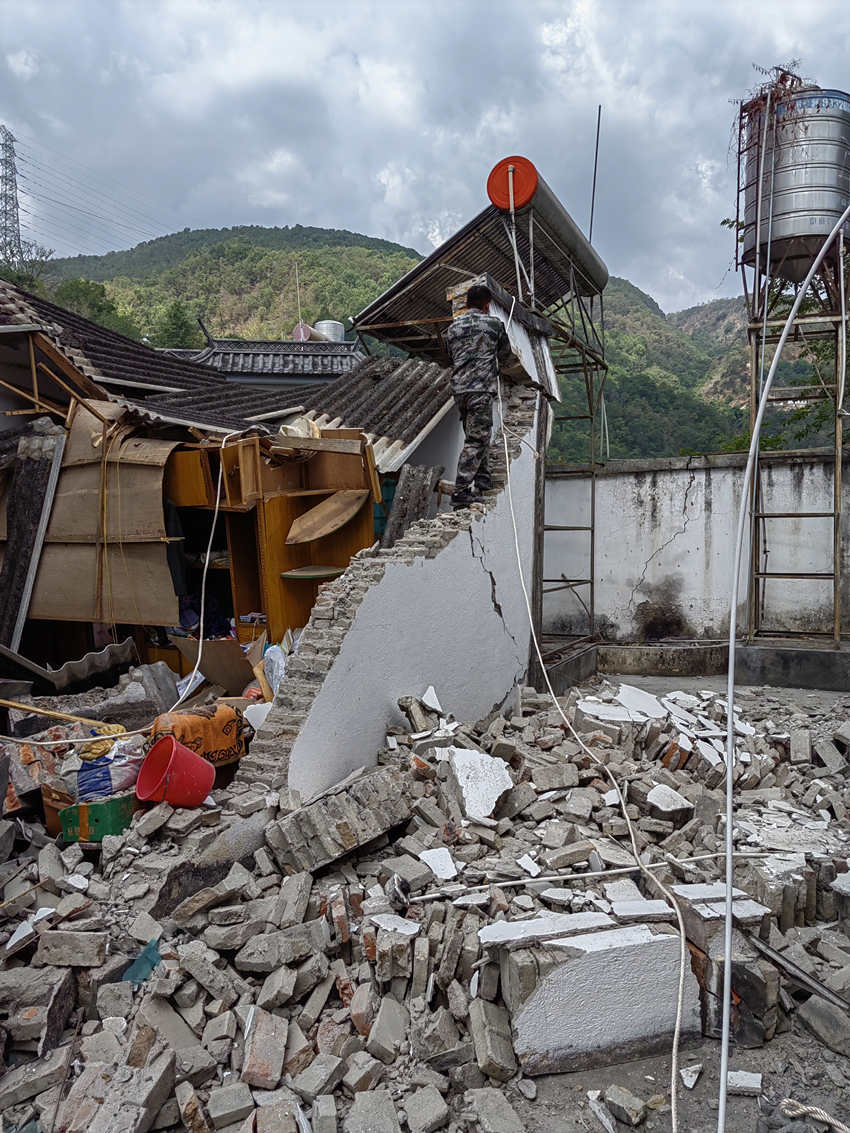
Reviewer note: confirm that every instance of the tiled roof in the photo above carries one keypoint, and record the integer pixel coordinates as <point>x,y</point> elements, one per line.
<point>395,403</point>
<point>238,358</point>
<point>101,354</point>
<point>225,404</point>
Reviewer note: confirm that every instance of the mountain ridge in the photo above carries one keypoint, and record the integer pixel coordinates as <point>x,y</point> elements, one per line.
<point>677,383</point>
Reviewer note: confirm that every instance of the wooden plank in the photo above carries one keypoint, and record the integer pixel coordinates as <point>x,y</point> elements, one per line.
<point>372,472</point>
<point>244,564</point>
<point>312,573</point>
<point>188,481</point>
<point>328,516</point>
<point>38,542</point>
<point>287,607</point>
<point>287,445</point>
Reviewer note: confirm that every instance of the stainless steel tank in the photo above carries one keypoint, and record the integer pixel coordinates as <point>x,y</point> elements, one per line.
<point>332,330</point>
<point>806,182</point>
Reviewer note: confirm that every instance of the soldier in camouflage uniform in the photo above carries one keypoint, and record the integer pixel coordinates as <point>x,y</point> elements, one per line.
<point>479,347</point>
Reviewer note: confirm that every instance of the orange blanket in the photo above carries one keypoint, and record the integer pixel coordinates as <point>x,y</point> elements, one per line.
<point>218,732</point>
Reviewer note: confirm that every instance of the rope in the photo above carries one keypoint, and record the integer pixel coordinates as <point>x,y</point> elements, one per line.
<point>674,1073</point>
<point>790,1108</point>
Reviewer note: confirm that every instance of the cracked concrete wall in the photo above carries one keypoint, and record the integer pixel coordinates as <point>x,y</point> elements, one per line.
<point>457,621</point>
<point>664,538</point>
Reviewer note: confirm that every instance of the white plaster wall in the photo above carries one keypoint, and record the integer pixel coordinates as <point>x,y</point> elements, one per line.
<point>432,621</point>
<point>664,541</point>
<point>442,445</point>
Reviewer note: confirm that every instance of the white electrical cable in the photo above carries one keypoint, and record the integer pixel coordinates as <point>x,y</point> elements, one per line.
<point>843,363</point>
<point>730,681</point>
<point>189,681</point>
<point>674,1075</point>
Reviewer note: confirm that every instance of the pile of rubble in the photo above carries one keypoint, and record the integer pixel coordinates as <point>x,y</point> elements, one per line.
<point>411,948</point>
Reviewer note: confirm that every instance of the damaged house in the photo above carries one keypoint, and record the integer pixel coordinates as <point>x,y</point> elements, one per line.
<point>393,885</point>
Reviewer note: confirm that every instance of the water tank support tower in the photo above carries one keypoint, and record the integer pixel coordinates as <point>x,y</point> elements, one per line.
<point>793,186</point>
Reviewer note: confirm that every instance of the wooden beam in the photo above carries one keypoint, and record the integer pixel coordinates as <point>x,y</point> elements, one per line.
<point>39,403</point>
<point>89,388</point>
<point>286,445</point>
<point>74,394</point>
<point>33,370</point>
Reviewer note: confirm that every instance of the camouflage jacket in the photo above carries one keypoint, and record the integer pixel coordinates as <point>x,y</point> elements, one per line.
<point>479,347</point>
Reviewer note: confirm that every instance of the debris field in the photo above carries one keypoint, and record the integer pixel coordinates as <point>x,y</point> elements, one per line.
<point>411,949</point>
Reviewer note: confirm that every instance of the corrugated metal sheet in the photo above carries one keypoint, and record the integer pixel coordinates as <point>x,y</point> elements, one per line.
<point>481,246</point>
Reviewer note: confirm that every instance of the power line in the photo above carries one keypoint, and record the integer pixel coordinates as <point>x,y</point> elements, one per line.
<point>124,190</point>
<point>75,185</point>
<point>133,232</point>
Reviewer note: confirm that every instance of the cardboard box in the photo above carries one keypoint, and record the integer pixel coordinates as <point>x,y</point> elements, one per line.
<point>223,662</point>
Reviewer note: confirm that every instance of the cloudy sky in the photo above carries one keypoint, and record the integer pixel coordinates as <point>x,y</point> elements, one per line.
<point>385,116</point>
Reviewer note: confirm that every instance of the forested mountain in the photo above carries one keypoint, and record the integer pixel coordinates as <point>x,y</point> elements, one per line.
<point>677,383</point>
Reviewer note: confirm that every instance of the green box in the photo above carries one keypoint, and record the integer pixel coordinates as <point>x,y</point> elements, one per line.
<point>89,822</point>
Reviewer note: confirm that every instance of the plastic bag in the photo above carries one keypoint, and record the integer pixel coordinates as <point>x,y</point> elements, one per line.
<point>274,663</point>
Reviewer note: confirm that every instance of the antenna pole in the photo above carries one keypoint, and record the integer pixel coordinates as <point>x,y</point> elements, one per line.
<point>595,164</point>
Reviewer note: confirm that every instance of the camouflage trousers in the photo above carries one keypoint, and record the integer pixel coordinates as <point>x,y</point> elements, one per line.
<point>476,416</point>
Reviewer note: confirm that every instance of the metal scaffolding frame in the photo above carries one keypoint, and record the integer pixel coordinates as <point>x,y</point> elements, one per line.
<point>822,317</point>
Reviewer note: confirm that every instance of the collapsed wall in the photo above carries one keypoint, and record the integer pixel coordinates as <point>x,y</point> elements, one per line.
<point>444,606</point>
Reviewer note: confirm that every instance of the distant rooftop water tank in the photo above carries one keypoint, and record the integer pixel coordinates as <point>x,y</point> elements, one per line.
<point>332,330</point>
<point>807,167</point>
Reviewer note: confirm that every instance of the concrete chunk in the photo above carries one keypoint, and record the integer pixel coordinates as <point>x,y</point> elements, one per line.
<point>229,1104</point>
<point>743,1083</point>
<point>426,1110</point>
<point>322,1076</point>
<point>372,1112</point>
<point>490,1026</point>
<point>576,1015</point>
<point>32,1078</point>
<point>65,949</point>
<point>493,1111</point>
<point>625,1106</point>
<point>389,1030</point>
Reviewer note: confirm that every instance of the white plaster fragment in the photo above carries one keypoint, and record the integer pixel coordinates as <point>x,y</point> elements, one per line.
<point>632,912</point>
<point>482,779</point>
<point>614,713</point>
<point>743,1083</point>
<point>636,700</point>
<point>690,1075</point>
<point>392,923</point>
<point>530,866</point>
<point>544,927</point>
<point>440,862</point>
<point>430,699</point>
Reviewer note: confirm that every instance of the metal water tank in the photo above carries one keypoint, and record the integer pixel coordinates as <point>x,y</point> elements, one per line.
<point>331,329</point>
<point>806,182</point>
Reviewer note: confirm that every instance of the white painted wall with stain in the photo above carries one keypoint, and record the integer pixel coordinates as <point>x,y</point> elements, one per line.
<point>664,538</point>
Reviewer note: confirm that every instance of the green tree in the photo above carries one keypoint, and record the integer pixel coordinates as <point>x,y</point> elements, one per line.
<point>27,272</point>
<point>175,327</point>
<point>89,299</point>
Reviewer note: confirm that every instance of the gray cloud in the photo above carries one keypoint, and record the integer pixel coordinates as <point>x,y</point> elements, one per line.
<point>385,118</point>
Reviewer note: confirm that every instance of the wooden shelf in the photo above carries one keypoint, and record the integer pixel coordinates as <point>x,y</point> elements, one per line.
<point>309,492</point>
<point>312,573</point>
